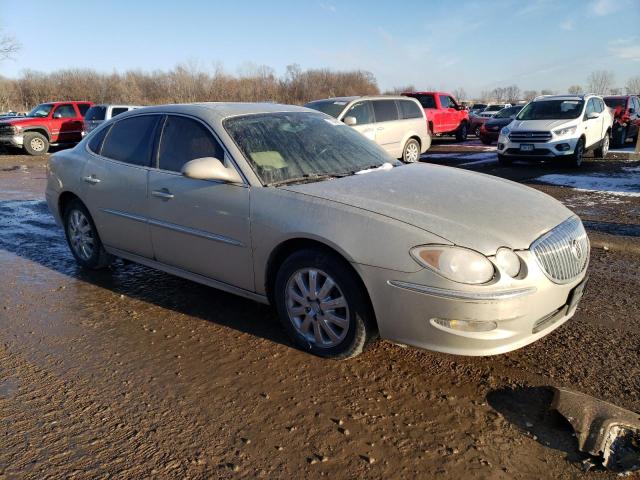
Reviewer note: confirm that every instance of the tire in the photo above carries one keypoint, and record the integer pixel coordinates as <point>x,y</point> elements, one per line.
<point>476,131</point>
<point>619,137</point>
<point>35,143</point>
<point>82,237</point>
<point>461,133</point>
<point>601,151</point>
<point>504,161</point>
<point>575,160</point>
<point>305,317</point>
<point>411,151</point>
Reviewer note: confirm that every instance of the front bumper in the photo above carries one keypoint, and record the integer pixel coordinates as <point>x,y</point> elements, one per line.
<point>12,140</point>
<point>555,148</point>
<point>523,310</point>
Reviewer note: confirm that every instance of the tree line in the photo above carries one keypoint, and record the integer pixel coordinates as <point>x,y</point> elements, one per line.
<point>184,83</point>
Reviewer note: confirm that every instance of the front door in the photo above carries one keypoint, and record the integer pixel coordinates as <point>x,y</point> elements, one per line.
<point>593,127</point>
<point>116,180</point>
<point>198,225</point>
<point>66,124</point>
<point>363,113</point>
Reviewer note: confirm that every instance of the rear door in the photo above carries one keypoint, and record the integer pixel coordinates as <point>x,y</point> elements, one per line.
<point>365,122</point>
<point>66,124</point>
<point>201,226</point>
<point>388,130</point>
<point>116,184</point>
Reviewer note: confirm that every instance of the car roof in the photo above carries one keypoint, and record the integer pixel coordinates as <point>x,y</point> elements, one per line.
<point>543,98</point>
<point>362,97</point>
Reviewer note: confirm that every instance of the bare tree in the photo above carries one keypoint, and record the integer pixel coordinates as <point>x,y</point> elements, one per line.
<point>633,85</point>
<point>512,94</point>
<point>460,94</point>
<point>546,91</point>
<point>8,47</point>
<point>575,90</point>
<point>529,95</point>
<point>399,90</point>
<point>600,81</point>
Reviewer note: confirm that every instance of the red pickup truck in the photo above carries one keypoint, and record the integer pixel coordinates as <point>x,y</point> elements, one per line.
<point>48,124</point>
<point>444,114</point>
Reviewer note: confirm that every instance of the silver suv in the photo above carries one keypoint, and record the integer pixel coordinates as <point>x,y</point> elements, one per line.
<point>397,124</point>
<point>101,113</point>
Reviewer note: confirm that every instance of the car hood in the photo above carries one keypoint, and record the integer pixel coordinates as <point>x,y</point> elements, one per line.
<point>21,120</point>
<point>540,125</point>
<point>469,209</point>
<point>498,122</point>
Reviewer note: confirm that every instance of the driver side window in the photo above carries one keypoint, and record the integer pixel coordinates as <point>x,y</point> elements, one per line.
<point>444,101</point>
<point>65,111</point>
<point>361,112</point>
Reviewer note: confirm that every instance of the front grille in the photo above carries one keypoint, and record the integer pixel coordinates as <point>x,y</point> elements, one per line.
<point>563,253</point>
<point>530,136</point>
<point>6,130</point>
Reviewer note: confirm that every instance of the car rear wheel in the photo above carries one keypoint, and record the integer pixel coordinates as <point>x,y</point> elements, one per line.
<point>601,151</point>
<point>576,159</point>
<point>82,237</point>
<point>461,133</point>
<point>322,306</point>
<point>35,143</point>
<point>476,131</point>
<point>411,151</point>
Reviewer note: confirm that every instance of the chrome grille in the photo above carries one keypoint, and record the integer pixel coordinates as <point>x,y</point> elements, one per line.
<point>6,130</point>
<point>563,253</point>
<point>530,136</point>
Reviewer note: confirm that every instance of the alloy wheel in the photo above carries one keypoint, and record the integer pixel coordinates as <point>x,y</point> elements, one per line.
<point>81,235</point>
<point>412,153</point>
<point>317,308</point>
<point>37,145</point>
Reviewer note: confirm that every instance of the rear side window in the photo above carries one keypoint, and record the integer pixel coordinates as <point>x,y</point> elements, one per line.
<point>427,101</point>
<point>385,110</point>
<point>131,140</point>
<point>362,112</point>
<point>83,107</point>
<point>118,110</point>
<point>95,142</point>
<point>95,113</point>
<point>184,139</point>
<point>409,109</point>
<point>65,111</point>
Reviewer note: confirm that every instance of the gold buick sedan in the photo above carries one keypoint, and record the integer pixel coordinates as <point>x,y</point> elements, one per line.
<point>289,206</point>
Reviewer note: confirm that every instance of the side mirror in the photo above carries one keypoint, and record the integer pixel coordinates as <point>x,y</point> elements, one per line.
<point>351,121</point>
<point>209,168</point>
<point>592,115</point>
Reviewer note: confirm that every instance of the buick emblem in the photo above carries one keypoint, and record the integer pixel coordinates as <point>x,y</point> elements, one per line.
<point>576,249</point>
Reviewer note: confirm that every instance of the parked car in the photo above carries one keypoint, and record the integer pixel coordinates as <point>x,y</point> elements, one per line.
<point>626,118</point>
<point>557,127</point>
<point>444,115</point>
<point>285,205</point>
<point>100,113</point>
<point>47,124</point>
<point>494,108</point>
<point>477,107</point>
<point>397,124</point>
<point>476,120</point>
<point>490,130</point>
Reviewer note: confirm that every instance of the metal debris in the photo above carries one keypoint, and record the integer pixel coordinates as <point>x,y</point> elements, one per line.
<point>609,433</point>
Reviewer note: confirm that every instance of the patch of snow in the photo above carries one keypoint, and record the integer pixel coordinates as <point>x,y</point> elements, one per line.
<point>625,183</point>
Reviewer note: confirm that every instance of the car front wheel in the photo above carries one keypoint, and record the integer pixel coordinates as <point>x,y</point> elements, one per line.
<point>461,133</point>
<point>322,306</point>
<point>578,154</point>
<point>35,143</point>
<point>83,238</point>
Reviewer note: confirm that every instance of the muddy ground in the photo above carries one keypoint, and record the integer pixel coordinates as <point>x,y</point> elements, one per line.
<point>133,373</point>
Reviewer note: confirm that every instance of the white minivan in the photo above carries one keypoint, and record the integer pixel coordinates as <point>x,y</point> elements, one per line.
<point>397,124</point>
<point>101,113</point>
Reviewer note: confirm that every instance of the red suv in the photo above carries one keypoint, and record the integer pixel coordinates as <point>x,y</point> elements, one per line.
<point>48,124</point>
<point>626,118</point>
<point>445,115</point>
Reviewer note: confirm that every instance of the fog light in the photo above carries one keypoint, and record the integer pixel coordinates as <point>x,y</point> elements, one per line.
<point>563,147</point>
<point>464,325</point>
<point>500,146</point>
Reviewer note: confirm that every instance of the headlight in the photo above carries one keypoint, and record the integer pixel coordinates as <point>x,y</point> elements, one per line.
<point>505,131</point>
<point>455,263</point>
<point>508,261</point>
<point>565,131</point>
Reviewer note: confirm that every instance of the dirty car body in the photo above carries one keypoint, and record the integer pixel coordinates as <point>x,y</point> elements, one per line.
<point>351,244</point>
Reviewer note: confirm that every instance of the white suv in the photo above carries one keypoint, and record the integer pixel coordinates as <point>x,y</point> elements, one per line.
<point>559,126</point>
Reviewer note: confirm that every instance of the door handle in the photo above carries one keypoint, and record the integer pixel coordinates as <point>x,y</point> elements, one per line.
<point>164,194</point>
<point>91,179</point>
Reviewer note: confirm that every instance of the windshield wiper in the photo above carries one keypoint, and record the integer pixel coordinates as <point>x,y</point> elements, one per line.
<point>308,178</point>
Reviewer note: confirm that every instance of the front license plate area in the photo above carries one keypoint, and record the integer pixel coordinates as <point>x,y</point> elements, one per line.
<point>526,147</point>
<point>576,294</point>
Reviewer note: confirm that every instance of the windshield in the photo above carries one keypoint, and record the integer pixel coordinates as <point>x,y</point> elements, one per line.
<point>41,110</point>
<point>330,107</point>
<point>289,147</point>
<point>551,110</point>
<point>95,113</point>
<point>478,106</point>
<point>507,112</point>
<point>616,102</point>
<point>493,108</point>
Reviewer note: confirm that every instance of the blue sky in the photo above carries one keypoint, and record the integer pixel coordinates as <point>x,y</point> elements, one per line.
<point>476,45</point>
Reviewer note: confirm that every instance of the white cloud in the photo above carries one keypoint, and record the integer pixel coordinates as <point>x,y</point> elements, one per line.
<point>328,6</point>
<point>567,24</point>
<point>605,7</point>
<point>626,48</point>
